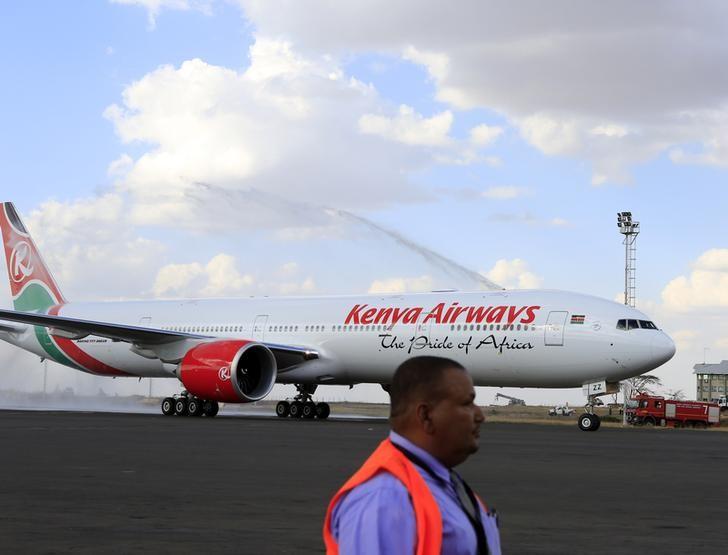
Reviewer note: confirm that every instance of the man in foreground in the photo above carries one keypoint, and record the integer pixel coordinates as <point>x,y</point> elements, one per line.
<point>406,499</point>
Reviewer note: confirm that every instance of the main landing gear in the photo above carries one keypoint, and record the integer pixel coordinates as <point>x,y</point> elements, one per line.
<point>185,404</point>
<point>303,406</point>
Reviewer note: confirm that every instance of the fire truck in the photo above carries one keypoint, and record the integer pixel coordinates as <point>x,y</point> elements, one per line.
<point>650,410</point>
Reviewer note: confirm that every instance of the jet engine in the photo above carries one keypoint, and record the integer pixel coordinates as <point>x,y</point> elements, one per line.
<point>231,371</point>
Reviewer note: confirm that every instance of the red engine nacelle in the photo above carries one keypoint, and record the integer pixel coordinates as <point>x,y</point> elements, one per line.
<point>229,371</point>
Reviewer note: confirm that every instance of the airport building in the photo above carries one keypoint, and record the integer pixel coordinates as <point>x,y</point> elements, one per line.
<point>712,381</point>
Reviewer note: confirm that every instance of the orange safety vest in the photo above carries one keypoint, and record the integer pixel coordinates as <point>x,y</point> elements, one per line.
<point>387,458</point>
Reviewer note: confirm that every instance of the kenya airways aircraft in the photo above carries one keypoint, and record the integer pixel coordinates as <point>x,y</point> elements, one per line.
<point>235,350</point>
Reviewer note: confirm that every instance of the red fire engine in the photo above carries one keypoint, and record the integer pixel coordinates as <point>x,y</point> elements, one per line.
<point>650,410</point>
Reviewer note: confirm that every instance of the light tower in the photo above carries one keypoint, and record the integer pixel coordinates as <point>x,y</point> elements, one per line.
<point>630,229</point>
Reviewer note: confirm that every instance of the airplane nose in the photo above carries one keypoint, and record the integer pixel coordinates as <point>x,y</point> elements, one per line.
<point>663,348</point>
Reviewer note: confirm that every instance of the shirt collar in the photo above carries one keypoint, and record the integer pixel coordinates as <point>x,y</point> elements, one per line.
<point>436,466</point>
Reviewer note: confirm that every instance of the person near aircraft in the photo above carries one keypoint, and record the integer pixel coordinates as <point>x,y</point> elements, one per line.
<point>406,497</point>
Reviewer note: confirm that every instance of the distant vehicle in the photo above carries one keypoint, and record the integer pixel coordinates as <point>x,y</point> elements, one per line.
<point>511,400</point>
<point>650,410</point>
<point>561,410</point>
<point>723,402</point>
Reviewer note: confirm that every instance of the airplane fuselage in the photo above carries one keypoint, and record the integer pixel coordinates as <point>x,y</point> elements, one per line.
<point>525,338</point>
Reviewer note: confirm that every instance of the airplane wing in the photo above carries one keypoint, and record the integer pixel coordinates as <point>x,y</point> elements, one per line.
<point>143,339</point>
<point>9,328</point>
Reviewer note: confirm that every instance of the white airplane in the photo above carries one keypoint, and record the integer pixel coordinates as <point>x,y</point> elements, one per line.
<point>235,350</point>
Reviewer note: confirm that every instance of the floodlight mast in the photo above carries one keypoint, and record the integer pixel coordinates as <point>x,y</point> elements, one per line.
<point>630,229</point>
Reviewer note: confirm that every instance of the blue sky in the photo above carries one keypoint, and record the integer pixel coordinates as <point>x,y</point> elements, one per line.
<point>114,113</point>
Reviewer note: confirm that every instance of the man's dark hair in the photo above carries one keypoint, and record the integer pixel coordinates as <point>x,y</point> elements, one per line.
<point>419,378</point>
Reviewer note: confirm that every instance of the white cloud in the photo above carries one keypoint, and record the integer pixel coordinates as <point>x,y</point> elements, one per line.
<point>550,135</point>
<point>437,63</point>
<point>609,130</point>
<point>559,222</point>
<point>92,249</point>
<point>154,7</point>
<point>684,339</point>
<point>485,135</point>
<point>219,277</point>
<point>120,166</point>
<point>721,343</point>
<point>514,274</point>
<point>409,128</point>
<point>705,287</point>
<point>402,285</point>
<point>576,81</point>
<point>504,192</point>
<point>284,128</point>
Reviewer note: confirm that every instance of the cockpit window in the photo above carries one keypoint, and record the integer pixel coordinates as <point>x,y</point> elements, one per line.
<point>635,324</point>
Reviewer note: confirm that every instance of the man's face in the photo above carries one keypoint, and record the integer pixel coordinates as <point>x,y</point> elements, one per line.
<point>456,419</point>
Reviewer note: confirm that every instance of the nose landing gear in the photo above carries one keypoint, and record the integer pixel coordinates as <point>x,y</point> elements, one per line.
<point>589,421</point>
<point>303,405</point>
<point>185,404</point>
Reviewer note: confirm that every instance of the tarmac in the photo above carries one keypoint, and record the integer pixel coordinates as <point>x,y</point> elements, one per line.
<point>121,483</point>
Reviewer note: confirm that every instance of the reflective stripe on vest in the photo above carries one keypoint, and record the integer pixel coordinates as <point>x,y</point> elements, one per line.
<point>387,458</point>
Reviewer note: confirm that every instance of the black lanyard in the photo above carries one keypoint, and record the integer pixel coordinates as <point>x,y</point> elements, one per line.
<point>477,522</point>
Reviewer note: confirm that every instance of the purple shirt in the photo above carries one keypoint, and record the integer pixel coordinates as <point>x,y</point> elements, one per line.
<point>377,517</point>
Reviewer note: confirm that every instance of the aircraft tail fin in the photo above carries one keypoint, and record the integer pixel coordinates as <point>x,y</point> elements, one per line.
<point>31,284</point>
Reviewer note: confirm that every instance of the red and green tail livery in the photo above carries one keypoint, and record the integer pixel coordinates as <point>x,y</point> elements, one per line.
<point>31,284</point>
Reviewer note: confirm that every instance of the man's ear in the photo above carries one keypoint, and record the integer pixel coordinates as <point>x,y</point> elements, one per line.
<point>424,417</point>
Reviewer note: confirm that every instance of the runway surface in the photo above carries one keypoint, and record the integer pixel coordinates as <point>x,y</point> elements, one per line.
<point>120,483</point>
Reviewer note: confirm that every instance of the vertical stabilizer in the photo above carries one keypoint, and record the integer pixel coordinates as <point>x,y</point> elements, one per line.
<point>31,284</point>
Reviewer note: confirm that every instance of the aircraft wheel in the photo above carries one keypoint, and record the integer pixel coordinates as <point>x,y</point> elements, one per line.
<point>323,410</point>
<point>296,409</point>
<point>283,409</point>
<point>309,410</point>
<point>210,408</point>
<point>597,423</point>
<point>168,406</point>
<point>588,422</point>
<point>180,407</point>
<point>194,407</point>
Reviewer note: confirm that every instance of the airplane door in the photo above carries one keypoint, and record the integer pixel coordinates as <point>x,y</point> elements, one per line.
<point>261,321</point>
<point>554,332</point>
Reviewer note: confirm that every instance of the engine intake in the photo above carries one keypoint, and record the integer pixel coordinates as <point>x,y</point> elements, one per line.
<point>229,371</point>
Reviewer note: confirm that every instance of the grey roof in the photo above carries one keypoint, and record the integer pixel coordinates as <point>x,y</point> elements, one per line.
<point>720,368</point>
